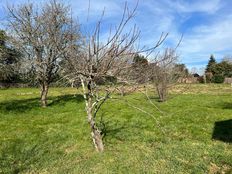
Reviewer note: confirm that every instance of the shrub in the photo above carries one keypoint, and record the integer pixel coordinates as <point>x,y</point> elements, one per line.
<point>218,78</point>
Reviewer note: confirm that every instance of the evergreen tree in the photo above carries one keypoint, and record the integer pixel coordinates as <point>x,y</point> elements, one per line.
<point>211,64</point>
<point>8,59</point>
<point>223,68</point>
<point>210,69</point>
<point>140,59</point>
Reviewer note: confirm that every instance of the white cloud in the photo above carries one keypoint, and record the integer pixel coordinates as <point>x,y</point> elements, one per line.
<point>157,16</point>
<point>208,39</point>
<point>214,37</point>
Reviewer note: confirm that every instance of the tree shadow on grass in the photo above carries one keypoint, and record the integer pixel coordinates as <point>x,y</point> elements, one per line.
<point>119,130</point>
<point>116,134</point>
<point>222,105</point>
<point>153,97</point>
<point>223,131</point>
<point>21,106</point>
<point>15,157</point>
<point>63,99</point>
<point>112,131</point>
<point>227,105</point>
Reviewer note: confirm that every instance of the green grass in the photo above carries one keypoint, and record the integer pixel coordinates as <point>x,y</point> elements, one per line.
<point>190,138</point>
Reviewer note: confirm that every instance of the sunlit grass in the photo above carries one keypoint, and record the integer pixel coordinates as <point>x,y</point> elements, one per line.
<point>56,139</point>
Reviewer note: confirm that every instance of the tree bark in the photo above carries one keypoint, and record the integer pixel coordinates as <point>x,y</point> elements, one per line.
<point>97,138</point>
<point>162,93</point>
<point>44,93</point>
<point>95,133</point>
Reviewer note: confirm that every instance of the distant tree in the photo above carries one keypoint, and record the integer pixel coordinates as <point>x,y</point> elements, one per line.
<point>44,35</point>
<point>222,70</point>
<point>194,70</point>
<point>218,78</point>
<point>211,63</point>
<point>216,72</point>
<point>165,72</point>
<point>9,59</point>
<point>208,77</point>
<point>227,58</point>
<point>182,70</point>
<point>140,59</point>
<point>139,69</point>
<point>210,68</point>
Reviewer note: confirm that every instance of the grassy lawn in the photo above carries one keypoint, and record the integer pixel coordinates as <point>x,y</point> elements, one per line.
<point>192,135</point>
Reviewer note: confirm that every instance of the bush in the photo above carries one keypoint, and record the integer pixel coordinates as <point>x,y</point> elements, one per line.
<point>218,78</point>
<point>201,79</point>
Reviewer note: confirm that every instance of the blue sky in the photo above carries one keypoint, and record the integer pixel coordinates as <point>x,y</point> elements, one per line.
<point>206,25</point>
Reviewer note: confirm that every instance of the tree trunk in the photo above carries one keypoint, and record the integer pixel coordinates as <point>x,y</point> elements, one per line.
<point>72,84</point>
<point>162,93</point>
<point>97,139</point>
<point>44,93</point>
<point>95,133</point>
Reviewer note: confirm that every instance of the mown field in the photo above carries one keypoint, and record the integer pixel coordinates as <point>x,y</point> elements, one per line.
<point>193,134</point>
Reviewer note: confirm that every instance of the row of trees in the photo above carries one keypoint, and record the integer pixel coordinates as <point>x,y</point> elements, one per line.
<point>48,43</point>
<point>9,59</point>
<point>217,72</point>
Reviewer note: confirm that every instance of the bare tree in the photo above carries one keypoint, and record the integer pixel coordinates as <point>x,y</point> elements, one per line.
<point>164,72</point>
<point>98,60</point>
<point>43,34</point>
